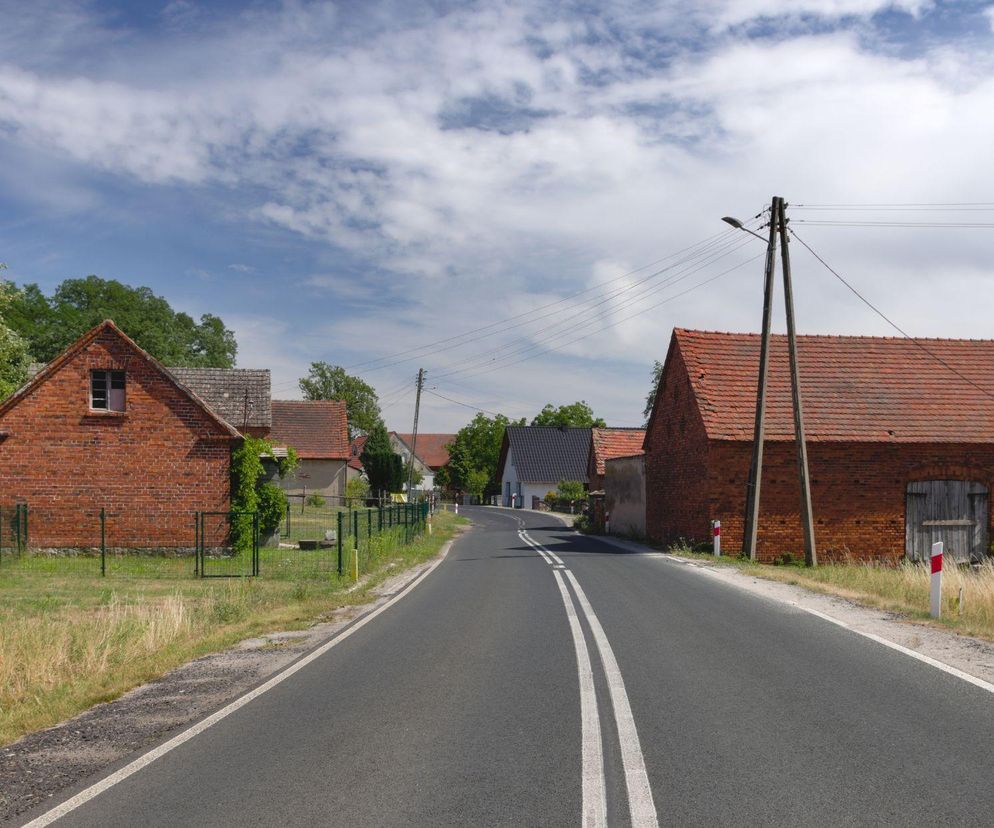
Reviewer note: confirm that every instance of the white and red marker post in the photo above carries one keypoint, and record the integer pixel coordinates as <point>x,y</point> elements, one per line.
<point>716,537</point>
<point>936,586</point>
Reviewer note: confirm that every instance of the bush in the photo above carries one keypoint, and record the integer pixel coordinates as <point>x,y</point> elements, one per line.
<point>570,490</point>
<point>584,524</point>
<point>356,489</point>
<point>315,500</point>
<point>272,507</point>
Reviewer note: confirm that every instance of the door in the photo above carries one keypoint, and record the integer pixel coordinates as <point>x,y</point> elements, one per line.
<point>951,511</point>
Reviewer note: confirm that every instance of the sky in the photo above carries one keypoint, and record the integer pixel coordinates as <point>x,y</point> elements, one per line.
<point>523,198</point>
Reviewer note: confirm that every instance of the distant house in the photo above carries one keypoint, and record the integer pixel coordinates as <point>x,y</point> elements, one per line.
<point>533,459</point>
<point>431,454</point>
<point>608,443</point>
<point>319,432</point>
<point>900,447</point>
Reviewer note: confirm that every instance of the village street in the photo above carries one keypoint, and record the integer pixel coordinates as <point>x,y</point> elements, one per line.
<point>461,704</point>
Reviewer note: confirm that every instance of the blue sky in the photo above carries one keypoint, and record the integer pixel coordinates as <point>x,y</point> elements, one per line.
<point>351,181</point>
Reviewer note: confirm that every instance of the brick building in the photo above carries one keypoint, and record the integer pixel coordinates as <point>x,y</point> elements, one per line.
<point>104,425</point>
<point>900,445</point>
<point>607,444</point>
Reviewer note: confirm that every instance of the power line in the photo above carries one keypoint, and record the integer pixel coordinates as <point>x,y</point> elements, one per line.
<point>464,405</point>
<point>839,223</point>
<point>617,322</point>
<point>890,322</point>
<point>919,205</point>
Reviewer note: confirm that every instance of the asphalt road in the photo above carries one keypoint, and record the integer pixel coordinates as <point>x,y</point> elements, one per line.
<point>545,678</point>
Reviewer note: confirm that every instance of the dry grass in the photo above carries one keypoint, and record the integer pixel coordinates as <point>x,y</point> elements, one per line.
<point>69,642</point>
<point>903,588</point>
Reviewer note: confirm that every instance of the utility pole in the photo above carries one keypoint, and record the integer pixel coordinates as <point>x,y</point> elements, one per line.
<point>414,436</point>
<point>756,466</point>
<point>810,553</point>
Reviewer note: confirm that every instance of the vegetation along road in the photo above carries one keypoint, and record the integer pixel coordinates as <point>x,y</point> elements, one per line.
<point>540,677</point>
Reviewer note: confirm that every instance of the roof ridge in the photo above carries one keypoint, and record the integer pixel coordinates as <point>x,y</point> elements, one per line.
<point>866,337</point>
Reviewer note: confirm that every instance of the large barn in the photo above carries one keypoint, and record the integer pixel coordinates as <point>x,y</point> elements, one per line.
<point>900,444</point>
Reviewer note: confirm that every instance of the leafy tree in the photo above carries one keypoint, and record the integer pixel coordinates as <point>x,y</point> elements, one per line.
<point>384,468</point>
<point>14,356</point>
<point>51,324</point>
<point>477,448</point>
<point>650,400</point>
<point>476,483</point>
<point>413,474</point>
<point>578,414</point>
<point>443,478</point>
<point>330,382</point>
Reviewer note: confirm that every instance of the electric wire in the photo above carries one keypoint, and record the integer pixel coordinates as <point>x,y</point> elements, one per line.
<point>592,314</point>
<point>895,223</point>
<point>463,404</point>
<point>889,321</point>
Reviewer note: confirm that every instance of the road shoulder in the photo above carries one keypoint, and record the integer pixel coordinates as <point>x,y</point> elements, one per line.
<point>971,656</point>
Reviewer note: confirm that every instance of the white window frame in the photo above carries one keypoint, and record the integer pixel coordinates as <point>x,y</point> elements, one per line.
<point>113,399</point>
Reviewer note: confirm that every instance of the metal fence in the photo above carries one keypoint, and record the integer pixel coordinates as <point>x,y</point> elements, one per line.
<point>182,544</point>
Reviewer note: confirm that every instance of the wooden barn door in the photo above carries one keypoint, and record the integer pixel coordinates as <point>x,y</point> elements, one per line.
<point>951,511</point>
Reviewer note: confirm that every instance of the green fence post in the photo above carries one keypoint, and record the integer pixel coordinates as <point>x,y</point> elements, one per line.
<point>369,523</point>
<point>196,544</point>
<point>288,519</point>
<point>25,527</point>
<point>379,519</point>
<point>355,529</point>
<point>255,544</point>
<point>339,536</point>
<point>103,542</point>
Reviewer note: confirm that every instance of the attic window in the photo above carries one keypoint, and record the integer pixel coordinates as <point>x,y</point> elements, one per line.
<point>107,390</point>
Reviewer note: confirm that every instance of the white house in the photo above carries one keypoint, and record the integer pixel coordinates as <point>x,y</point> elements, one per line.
<point>533,459</point>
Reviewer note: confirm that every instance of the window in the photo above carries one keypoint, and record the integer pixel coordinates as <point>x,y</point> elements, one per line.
<point>107,390</point>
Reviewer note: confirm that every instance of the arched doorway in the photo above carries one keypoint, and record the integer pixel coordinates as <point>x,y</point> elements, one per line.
<point>951,511</point>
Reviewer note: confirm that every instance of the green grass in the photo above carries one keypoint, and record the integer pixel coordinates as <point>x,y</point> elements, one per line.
<point>902,588</point>
<point>68,641</point>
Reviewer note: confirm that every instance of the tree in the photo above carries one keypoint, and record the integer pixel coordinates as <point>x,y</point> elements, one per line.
<point>49,325</point>
<point>650,400</point>
<point>477,448</point>
<point>578,414</point>
<point>356,489</point>
<point>413,474</point>
<point>570,490</point>
<point>476,483</point>
<point>14,358</point>
<point>384,467</point>
<point>330,382</point>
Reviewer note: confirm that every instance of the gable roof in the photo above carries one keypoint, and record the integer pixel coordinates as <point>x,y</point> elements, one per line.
<point>853,388</point>
<point>608,443</point>
<point>547,454</point>
<point>317,429</point>
<point>108,327</point>
<point>239,395</point>
<point>431,448</point>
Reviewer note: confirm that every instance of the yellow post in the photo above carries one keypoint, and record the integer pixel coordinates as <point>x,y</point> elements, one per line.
<point>355,564</point>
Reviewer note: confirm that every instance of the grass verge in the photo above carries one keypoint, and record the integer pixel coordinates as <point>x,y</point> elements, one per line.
<point>68,642</point>
<point>967,593</point>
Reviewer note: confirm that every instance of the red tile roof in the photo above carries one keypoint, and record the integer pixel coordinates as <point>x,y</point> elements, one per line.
<point>853,388</point>
<point>355,449</point>
<point>431,448</point>
<point>317,429</point>
<point>609,443</point>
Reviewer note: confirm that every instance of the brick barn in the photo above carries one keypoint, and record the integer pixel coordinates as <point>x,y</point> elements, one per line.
<point>105,425</point>
<point>900,448</point>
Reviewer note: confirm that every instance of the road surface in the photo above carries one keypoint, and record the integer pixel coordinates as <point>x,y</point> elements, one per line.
<point>539,677</point>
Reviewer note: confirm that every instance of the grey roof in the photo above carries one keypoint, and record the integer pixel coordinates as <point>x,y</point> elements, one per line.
<point>241,396</point>
<point>548,454</point>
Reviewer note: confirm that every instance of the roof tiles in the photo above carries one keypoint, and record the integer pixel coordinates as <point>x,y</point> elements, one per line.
<point>317,429</point>
<point>609,443</point>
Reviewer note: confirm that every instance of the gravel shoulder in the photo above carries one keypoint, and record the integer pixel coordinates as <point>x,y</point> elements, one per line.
<point>971,655</point>
<point>42,764</point>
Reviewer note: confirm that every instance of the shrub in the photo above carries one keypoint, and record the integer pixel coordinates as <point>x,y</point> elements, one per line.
<point>272,507</point>
<point>315,500</point>
<point>570,490</point>
<point>356,489</point>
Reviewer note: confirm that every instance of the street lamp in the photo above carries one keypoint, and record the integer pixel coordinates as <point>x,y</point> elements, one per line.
<point>738,225</point>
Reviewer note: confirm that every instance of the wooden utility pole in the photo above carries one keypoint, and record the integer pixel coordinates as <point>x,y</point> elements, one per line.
<point>414,436</point>
<point>756,467</point>
<point>810,553</point>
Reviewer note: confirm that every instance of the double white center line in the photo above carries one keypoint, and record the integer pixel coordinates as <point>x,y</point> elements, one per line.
<point>641,807</point>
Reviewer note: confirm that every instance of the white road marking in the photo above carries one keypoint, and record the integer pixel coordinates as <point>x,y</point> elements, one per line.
<point>148,758</point>
<point>939,665</point>
<point>640,803</point>
<point>592,763</point>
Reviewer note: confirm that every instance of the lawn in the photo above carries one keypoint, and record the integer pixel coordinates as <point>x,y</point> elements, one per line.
<point>68,641</point>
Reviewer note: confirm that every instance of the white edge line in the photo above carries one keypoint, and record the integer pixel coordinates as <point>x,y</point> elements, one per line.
<point>594,784</point>
<point>641,807</point>
<point>932,662</point>
<point>148,758</point>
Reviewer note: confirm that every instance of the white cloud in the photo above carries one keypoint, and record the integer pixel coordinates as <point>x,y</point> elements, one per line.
<point>602,147</point>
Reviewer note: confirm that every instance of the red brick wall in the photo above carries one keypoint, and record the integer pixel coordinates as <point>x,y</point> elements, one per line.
<point>858,493</point>
<point>150,468</point>
<point>676,461</point>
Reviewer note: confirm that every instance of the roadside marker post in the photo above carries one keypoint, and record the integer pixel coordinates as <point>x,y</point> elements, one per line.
<point>355,564</point>
<point>936,586</point>
<point>716,537</point>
